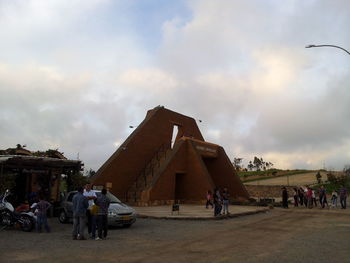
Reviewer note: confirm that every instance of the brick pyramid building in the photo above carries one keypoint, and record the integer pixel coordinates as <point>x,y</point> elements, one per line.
<point>166,159</point>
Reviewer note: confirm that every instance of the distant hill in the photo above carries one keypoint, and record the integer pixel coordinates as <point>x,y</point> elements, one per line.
<point>282,177</point>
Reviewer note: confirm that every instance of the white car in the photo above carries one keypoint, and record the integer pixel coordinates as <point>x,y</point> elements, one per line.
<point>119,214</point>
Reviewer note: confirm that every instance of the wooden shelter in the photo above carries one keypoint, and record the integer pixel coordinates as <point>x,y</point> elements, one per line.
<point>36,172</point>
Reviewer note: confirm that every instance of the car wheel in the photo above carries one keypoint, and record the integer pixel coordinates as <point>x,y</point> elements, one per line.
<point>127,225</point>
<point>63,217</point>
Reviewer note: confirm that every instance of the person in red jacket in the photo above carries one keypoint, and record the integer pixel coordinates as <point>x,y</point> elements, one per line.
<point>309,197</point>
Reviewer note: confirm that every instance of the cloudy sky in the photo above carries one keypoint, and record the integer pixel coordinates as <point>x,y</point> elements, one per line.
<point>75,74</point>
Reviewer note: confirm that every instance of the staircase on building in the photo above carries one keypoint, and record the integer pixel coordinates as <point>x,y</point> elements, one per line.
<point>148,176</point>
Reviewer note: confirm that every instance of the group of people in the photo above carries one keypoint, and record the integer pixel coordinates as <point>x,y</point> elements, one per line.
<point>308,197</point>
<point>88,207</point>
<point>219,200</point>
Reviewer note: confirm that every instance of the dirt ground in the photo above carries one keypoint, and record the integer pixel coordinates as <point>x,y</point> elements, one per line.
<point>298,179</point>
<point>289,235</point>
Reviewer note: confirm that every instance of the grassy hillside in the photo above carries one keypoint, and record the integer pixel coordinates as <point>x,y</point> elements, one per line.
<point>251,176</point>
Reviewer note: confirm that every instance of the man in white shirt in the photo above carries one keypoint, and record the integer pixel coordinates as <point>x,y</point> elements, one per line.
<point>91,196</point>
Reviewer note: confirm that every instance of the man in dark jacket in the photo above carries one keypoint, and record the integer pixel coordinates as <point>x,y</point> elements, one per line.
<point>284,197</point>
<point>80,204</point>
<point>102,216</point>
<point>217,202</point>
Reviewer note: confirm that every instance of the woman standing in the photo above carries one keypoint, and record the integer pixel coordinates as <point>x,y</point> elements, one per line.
<point>209,199</point>
<point>309,197</point>
<point>217,202</point>
<point>314,197</point>
<point>296,197</point>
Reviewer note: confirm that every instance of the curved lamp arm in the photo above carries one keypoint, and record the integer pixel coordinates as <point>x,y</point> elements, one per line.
<point>310,46</point>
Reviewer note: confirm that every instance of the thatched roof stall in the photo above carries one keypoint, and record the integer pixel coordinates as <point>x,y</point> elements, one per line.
<point>28,173</point>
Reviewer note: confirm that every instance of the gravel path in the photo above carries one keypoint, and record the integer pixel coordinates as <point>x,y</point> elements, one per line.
<point>294,235</point>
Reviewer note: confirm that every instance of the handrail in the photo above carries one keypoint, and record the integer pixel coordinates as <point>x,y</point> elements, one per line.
<point>174,150</point>
<point>151,166</point>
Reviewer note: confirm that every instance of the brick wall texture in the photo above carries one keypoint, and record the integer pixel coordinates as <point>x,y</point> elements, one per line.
<point>267,191</point>
<point>184,171</point>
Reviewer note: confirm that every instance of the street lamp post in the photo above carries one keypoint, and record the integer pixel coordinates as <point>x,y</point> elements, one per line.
<point>311,46</point>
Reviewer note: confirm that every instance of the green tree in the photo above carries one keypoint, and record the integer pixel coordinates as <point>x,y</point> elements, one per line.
<point>250,166</point>
<point>75,180</point>
<point>346,170</point>
<point>237,163</point>
<point>90,173</point>
<point>341,179</point>
<point>257,163</point>
<point>270,165</point>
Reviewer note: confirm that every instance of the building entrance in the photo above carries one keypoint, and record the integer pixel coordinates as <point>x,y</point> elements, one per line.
<point>180,186</point>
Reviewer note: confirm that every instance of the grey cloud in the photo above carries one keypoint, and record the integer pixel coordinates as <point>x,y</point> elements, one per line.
<point>217,66</point>
<point>305,127</point>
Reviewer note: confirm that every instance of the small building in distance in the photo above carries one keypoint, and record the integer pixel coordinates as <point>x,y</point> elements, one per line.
<point>167,160</point>
<point>37,172</point>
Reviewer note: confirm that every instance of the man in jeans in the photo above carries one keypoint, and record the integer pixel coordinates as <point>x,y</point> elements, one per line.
<point>342,196</point>
<point>225,200</point>
<point>41,207</point>
<point>80,204</point>
<point>102,215</point>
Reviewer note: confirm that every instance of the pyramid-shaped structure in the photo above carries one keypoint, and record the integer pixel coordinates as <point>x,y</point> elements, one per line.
<point>166,159</point>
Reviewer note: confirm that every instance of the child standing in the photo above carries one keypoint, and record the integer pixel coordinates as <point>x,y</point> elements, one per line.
<point>334,198</point>
<point>209,199</point>
<point>41,212</point>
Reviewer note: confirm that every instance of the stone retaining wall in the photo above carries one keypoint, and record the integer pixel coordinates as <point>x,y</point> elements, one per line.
<point>267,191</point>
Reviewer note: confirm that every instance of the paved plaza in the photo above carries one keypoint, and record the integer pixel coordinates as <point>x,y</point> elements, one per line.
<point>279,235</point>
<point>195,212</point>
